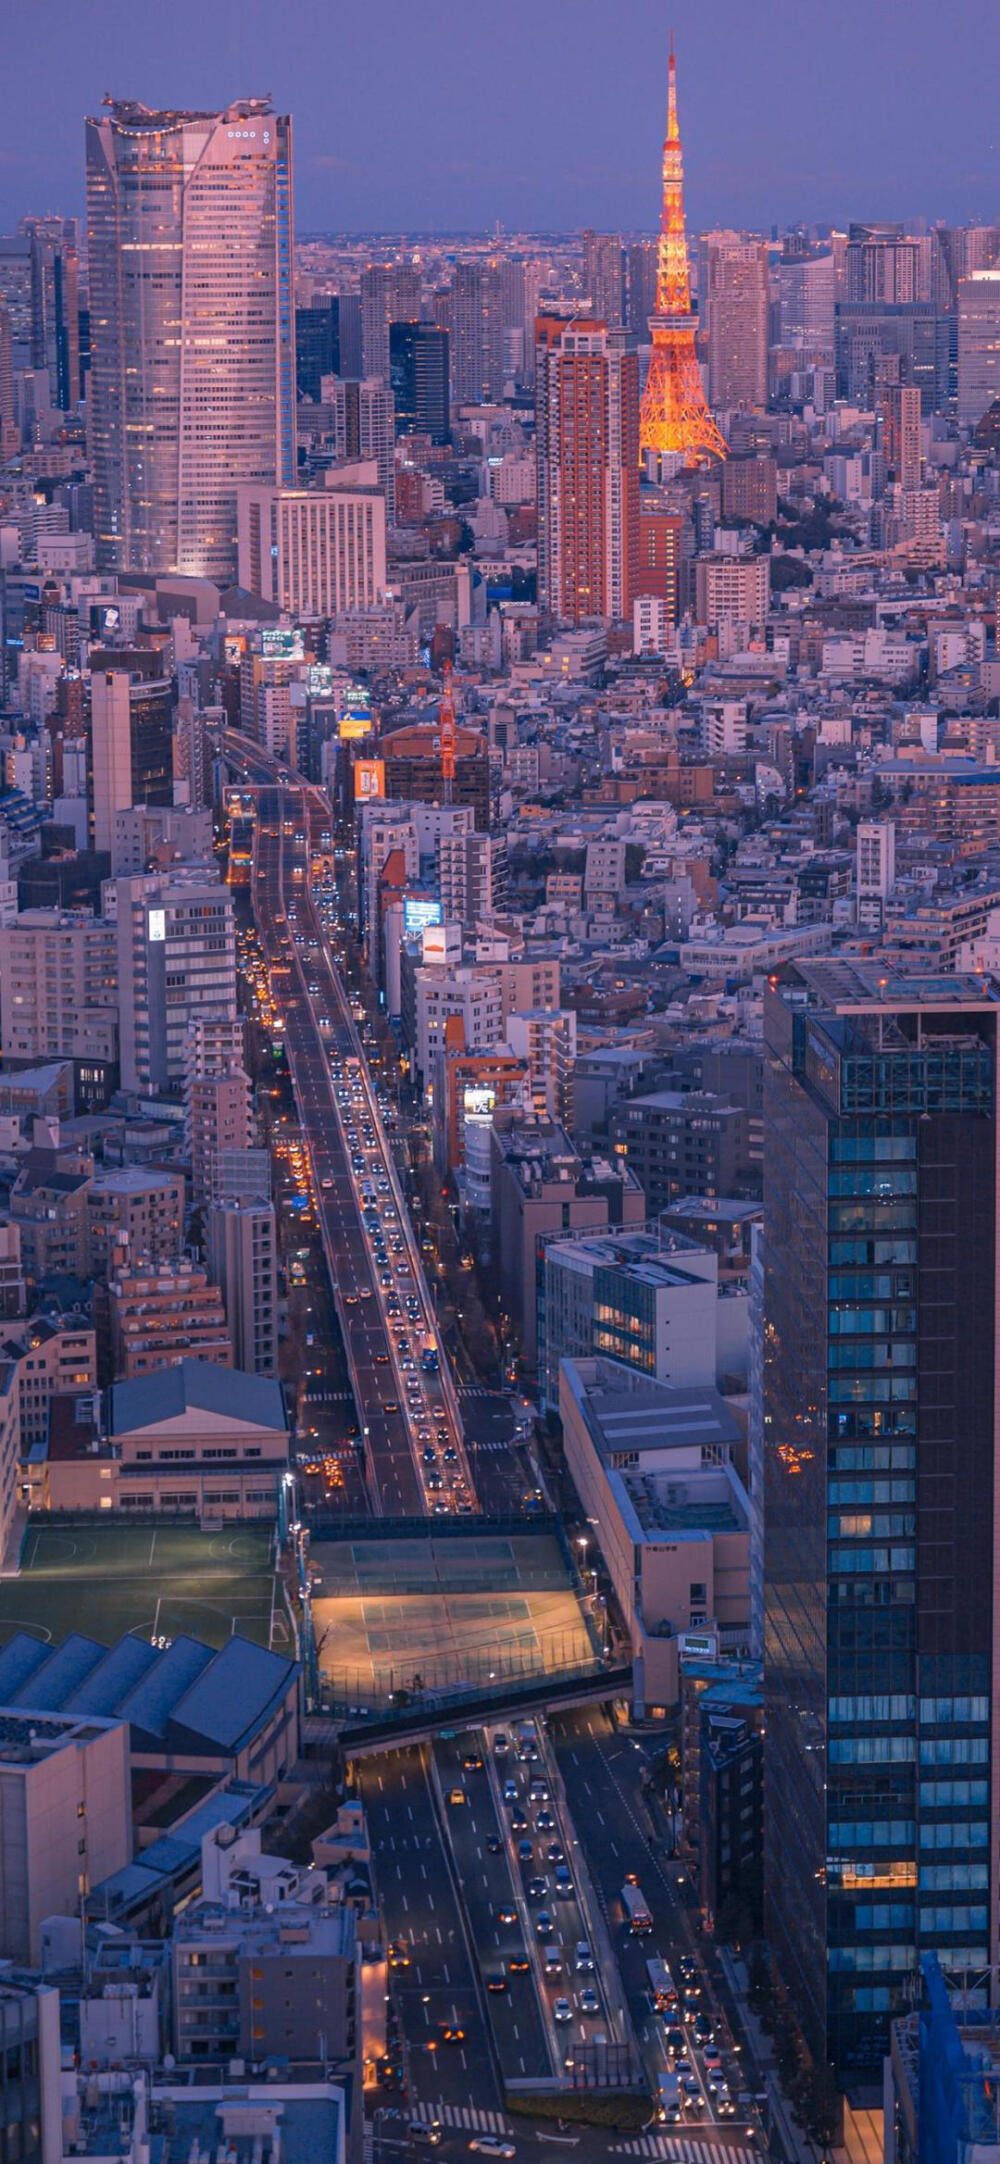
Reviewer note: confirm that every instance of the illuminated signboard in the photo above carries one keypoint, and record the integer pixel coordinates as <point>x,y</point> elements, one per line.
<point>283,645</point>
<point>420,910</point>
<point>319,679</point>
<point>478,1101</point>
<point>369,779</point>
<point>354,707</point>
<point>158,925</point>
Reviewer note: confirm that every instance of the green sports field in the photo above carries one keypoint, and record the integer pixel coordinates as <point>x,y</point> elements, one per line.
<point>104,1579</point>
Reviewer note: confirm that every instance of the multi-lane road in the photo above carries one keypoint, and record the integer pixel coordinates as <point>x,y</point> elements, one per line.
<point>410,1429</point>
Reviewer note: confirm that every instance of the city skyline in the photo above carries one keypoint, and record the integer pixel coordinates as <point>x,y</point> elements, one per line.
<point>789,126</point>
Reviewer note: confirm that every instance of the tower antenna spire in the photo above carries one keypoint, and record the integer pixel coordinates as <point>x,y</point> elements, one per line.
<point>674,415</point>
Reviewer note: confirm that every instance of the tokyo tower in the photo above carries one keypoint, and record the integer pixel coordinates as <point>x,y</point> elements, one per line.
<point>674,414</point>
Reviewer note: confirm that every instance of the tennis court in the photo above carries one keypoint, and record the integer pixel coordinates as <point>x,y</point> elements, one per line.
<point>419,1615</point>
<point>161,1580</point>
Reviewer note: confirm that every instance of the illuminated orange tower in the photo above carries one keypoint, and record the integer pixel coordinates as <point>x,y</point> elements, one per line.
<point>674,415</point>
<point>446,720</point>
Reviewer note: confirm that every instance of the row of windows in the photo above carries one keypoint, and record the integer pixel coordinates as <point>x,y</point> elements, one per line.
<point>873,1832</point>
<point>954,1750</point>
<point>873,1185</point>
<point>847,1562</point>
<point>878,1353</point>
<point>872,1491</point>
<point>870,1524</point>
<point>955,1833</point>
<point>872,1957</point>
<point>873,1706</point>
<point>942,1792</point>
<point>954,1877</point>
<point>878,1149</point>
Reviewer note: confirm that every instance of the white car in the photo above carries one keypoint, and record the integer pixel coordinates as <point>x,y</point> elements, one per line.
<point>492,2145</point>
<point>562,2010</point>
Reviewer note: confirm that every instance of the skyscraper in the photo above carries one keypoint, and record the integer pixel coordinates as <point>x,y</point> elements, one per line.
<point>978,345</point>
<point>675,416</point>
<point>901,433</point>
<point>55,327</point>
<point>603,275</point>
<point>418,372</point>
<point>883,265</point>
<point>476,319</point>
<point>192,384</point>
<point>641,261</point>
<point>317,346</point>
<point>587,451</point>
<point>390,293</point>
<point>364,426</point>
<point>881,1467</point>
<point>735,303</point>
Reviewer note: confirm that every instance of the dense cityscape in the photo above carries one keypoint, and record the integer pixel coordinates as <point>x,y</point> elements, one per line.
<point>499,1174</point>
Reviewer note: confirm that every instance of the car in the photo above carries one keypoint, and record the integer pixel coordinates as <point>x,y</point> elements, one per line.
<point>555,1852</point>
<point>525,1851</point>
<point>396,1955</point>
<point>425,2130</point>
<point>450,1455</point>
<point>501,1745</point>
<point>507,1915</point>
<point>381,1360</point>
<point>434,1481</point>
<point>429,1456</point>
<point>492,2145</point>
<point>456,1795</point>
<point>545,1822</point>
<point>703,2028</point>
<point>589,2001</point>
<point>496,1980</point>
<point>726,2108</point>
<point>472,1762</point>
<point>690,2085</point>
<point>518,1822</point>
<point>537,1888</point>
<point>450,2034</point>
<point>712,2056</point>
<point>676,2043</point>
<point>494,1845</point>
<point>543,1924</point>
<point>689,2001</point>
<point>509,1791</point>
<point>584,1958</point>
<point>562,2010</point>
<point>389,1406</point>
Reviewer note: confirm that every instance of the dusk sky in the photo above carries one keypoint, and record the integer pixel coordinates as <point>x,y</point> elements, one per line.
<point>542,113</point>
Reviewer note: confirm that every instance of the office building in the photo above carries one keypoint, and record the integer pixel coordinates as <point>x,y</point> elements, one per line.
<point>750,488</point>
<point>243,1258</point>
<point>640,305</point>
<point>652,1300</point>
<point>806,288</point>
<point>419,378</point>
<point>159,1313</point>
<point>978,345</point>
<point>883,265</point>
<point>176,965</point>
<point>942,2091</point>
<point>413,768</point>
<point>655,1470</point>
<point>364,427</point>
<point>217,1100</point>
<point>192,375</point>
<point>55,333</point>
<point>541,1186</point>
<point>587,451</point>
<point>10,434</point>
<point>390,293</point>
<point>736,311</point>
<point>131,748</point>
<point>604,277</point>
<point>315,552</point>
<point>880,1406</point>
<point>908,341</point>
<point>683,1142</point>
<point>65,1817</point>
<point>32,2054</point>
<point>475,319</point>
<point>875,871</point>
<point>901,433</point>
<point>317,347</point>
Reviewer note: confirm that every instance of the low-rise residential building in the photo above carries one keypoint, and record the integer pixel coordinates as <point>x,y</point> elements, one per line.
<point>65,1817</point>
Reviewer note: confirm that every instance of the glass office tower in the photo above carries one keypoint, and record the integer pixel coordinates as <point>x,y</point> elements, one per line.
<point>192,382</point>
<point>880,1446</point>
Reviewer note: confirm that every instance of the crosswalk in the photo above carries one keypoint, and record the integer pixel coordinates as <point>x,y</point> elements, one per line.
<point>680,2149</point>
<point>474,2117</point>
<point>478,1390</point>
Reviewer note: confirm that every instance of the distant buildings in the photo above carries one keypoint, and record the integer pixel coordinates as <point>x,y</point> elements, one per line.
<point>419,378</point>
<point>315,552</point>
<point>978,345</point>
<point>587,445</point>
<point>736,310</point>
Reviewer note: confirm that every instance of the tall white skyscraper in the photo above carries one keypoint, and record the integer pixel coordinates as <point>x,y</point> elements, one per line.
<point>192,383</point>
<point>978,345</point>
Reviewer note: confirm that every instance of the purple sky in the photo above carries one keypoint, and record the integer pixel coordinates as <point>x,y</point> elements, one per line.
<point>543,113</point>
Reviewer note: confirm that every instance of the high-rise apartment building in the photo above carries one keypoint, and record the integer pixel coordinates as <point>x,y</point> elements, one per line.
<point>901,433</point>
<point>59,986</point>
<point>131,748</point>
<point>176,965</point>
<point>978,345</point>
<point>390,293</point>
<point>217,1100</point>
<point>476,323</point>
<point>192,377</point>
<point>736,308</point>
<point>55,329</point>
<point>604,276</point>
<point>881,1461</point>
<point>313,551</point>
<point>806,291</point>
<point>10,434</point>
<point>587,450</point>
<point>418,373</point>
<point>883,265</point>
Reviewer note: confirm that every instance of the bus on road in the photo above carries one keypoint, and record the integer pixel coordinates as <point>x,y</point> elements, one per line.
<point>637,1914</point>
<point>662,1988</point>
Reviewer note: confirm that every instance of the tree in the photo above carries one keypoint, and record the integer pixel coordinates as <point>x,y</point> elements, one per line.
<point>789,571</point>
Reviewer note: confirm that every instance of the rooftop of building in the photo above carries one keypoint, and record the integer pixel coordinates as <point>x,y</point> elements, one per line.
<point>29,1738</point>
<point>196,1386</point>
<point>253,2124</point>
<point>204,1701</point>
<point>302,1928</point>
<point>686,1506</point>
<point>628,1413</point>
